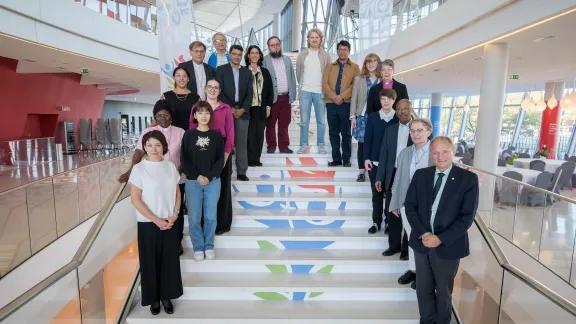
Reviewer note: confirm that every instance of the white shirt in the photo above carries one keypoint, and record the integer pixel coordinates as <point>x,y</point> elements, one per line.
<point>403,133</point>
<point>420,159</point>
<point>158,181</point>
<point>387,116</point>
<point>200,79</point>
<point>312,74</point>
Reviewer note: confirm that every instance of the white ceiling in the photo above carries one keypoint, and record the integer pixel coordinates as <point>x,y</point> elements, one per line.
<point>534,61</point>
<point>223,15</point>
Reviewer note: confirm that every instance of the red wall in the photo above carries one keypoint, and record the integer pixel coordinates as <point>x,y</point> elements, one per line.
<point>43,94</point>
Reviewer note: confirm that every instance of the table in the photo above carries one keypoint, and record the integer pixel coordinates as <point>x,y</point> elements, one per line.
<point>551,165</point>
<point>528,176</point>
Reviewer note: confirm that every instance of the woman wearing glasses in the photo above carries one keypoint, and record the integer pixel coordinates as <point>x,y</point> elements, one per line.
<point>163,115</point>
<point>224,123</point>
<point>410,159</point>
<point>181,98</point>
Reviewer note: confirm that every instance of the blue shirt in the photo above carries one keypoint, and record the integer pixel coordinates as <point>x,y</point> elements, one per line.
<point>437,200</point>
<point>339,80</point>
<point>236,73</point>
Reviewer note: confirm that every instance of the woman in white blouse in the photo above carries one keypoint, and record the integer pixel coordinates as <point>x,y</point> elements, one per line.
<point>410,159</point>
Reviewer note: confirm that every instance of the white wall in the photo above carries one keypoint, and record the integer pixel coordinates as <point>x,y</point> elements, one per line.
<point>113,109</point>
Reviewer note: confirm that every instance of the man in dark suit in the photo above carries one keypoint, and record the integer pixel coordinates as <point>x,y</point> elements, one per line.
<point>236,91</point>
<point>388,82</point>
<point>199,71</point>
<point>396,138</point>
<point>440,206</point>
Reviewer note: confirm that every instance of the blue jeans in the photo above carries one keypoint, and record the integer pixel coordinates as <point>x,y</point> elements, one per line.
<point>306,101</point>
<point>196,197</point>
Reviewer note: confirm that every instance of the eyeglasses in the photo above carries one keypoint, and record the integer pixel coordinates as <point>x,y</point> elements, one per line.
<point>219,41</point>
<point>274,45</point>
<point>210,87</point>
<point>417,131</point>
<point>162,116</point>
<point>199,51</point>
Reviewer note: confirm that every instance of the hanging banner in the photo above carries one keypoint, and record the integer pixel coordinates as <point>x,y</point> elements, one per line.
<point>549,129</point>
<point>374,28</point>
<point>174,37</point>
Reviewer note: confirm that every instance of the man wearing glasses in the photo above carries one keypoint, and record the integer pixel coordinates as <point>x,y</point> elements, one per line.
<point>219,57</point>
<point>284,82</point>
<point>198,70</point>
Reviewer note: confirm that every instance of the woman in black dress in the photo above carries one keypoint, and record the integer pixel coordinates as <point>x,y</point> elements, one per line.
<point>181,98</point>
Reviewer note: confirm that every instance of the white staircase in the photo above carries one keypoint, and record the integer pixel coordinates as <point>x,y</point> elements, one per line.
<point>298,252</point>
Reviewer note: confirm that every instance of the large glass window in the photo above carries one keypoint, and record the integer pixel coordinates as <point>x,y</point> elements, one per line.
<point>286,17</point>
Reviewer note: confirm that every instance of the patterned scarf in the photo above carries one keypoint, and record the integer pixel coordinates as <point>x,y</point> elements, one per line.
<point>258,83</point>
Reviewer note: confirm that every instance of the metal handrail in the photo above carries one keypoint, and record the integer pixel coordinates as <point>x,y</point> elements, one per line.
<point>76,261</point>
<point>516,272</point>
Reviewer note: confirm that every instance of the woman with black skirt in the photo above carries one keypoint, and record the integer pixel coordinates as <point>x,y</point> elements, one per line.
<point>262,99</point>
<point>155,194</point>
<point>224,123</point>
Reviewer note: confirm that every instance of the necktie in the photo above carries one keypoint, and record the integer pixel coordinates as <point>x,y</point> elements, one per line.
<point>437,186</point>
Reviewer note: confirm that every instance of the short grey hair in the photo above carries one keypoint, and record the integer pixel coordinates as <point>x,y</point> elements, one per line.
<point>221,34</point>
<point>443,138</point>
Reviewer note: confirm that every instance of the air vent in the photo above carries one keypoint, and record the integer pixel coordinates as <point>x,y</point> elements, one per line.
<point>544,38</point>
<point>28,60</point>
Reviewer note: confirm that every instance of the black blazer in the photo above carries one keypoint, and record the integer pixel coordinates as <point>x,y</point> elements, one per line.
<point>373,100</point>
<point>454,216</point>
<point>267,93</point>
<point>225,76</point>
<point>189,66</point>
<point>387,159</point>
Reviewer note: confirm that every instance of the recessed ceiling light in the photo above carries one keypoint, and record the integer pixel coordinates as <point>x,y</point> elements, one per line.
<point>436,70</point>
<point>28,60</point>
<point>420,74</point>
<point>477,58</point>
<point>540,39</point>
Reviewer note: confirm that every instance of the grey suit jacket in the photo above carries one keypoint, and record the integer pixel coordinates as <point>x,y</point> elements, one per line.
<point>402,178</point>
<point>289,68</point>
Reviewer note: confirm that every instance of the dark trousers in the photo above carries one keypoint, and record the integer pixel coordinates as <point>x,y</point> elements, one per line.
<point>360,156</point>
<point>339,124</point>
<point>180,221</point>
<point>224,215</point>
<point>377,198</point>
<point>281,113</point>
<point>255,134</point>
<point>159,263</point>
<point>434,285</point>
<point>394,226</point>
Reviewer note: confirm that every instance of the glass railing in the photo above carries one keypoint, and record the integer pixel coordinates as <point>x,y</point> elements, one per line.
<point>406,13</point>
<point>37,213</point>
<point>537,221</point>
<point>141,14</point>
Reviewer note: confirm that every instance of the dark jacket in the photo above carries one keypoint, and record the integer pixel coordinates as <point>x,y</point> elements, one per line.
<point>387,159</point>
<point>373,100</point>
<point>189,66</point>
<point>375,129</point>
<point>225,77</point>
<point>454,216</point>
<point>267,92</point>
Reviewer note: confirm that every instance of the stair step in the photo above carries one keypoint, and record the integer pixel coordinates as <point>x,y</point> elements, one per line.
<point>280,185</point>
<point>314,148</point>
<point>311,173</point>
<point>297,238</point>
<point>281,312</point>
<point>295,261</point>
<point>299,159</point>
<point>301,200</point>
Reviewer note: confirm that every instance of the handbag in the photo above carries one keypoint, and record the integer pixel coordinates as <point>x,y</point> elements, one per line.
<point>360,129</point>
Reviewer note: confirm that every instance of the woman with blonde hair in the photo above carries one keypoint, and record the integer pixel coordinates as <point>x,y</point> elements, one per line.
<point>410,159</point>
<point>310,65</point>
<point>362,84</point>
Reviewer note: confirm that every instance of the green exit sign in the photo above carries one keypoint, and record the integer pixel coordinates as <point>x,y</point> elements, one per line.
<point>84,71</point>
<point>514,76</point>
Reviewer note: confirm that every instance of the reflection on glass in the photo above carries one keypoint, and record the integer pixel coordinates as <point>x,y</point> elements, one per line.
<point>14,236</point>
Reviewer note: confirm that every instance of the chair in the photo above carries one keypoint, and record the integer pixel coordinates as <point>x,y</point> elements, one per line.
<point>524,156</point>
<point>534,198</point>
<point>471,151</point>
<point>566,179</point>
<point>566,157</point>
<point>466,160</point>
<point>509,191</point>
<point>537,165</point>
<point>501,163</point>
<point>467,155</point>
<point>506,154</point>
<point>555,181</point>
<point>572,158</point>
<point>85,134</point>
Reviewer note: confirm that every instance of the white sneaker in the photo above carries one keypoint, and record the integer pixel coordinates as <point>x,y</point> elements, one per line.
<point>210,255</point>
<point>302,149</point>
<point>199,256</point>
<point>321,149</point>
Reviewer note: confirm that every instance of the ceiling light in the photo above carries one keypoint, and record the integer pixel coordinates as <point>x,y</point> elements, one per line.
<point>552,102</point>
<point>477,58</point>
<point>566,101</point>
<point>436,70</point>
<point>540,106</point>
<point>466,107</point>
<point>527,103</point>
<point>540,39</point>
<point>573,99</point>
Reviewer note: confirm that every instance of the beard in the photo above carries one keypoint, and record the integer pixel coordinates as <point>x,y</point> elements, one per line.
<point>276,54</point>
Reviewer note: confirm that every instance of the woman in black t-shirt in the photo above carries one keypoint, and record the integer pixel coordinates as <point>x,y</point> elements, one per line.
<point>181,99</point>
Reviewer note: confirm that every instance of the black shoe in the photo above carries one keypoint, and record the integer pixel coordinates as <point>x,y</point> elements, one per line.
<point>334,163</point>
<point>219,232</point>
<point>404,256</point>
<point>168,307</point>
<point>181,250</point>
<point>242,177</point>
<point>386,229</point>
<point>155,308</point>
<point>287,151</point>
<point>255,164</point>
<point>270,150</point>
<point>390,252</point>
<point>347,164</point>
<point>373,229</point>
<point>258,164</point>
<point>361,178</point>
<point>408,277</point>
<point>413,285</point>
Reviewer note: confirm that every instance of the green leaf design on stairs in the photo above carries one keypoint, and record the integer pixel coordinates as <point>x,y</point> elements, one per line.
<point>270,296</point>
<point>315,294</point>
<point>266,245</point>
<point>277,268</point>
<point>326,269</point>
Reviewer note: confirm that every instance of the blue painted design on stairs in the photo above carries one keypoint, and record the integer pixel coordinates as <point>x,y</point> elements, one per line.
<point>275,223</point>
<point>264,188</point>
<point>272,205</point>
<point>235,188</point>
<point>301,268</point>
<point>307,224</point>
<point>298,295</point>
<point>317,205</point>
<point>342,206</point>
<point>306,244</point>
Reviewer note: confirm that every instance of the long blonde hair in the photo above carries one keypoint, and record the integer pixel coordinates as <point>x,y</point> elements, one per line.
<point>370,58</point>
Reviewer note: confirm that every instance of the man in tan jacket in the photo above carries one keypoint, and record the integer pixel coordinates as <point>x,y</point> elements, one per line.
<point>337,84</point>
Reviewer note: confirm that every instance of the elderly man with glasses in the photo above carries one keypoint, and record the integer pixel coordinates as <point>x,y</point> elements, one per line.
<point>219,56</point>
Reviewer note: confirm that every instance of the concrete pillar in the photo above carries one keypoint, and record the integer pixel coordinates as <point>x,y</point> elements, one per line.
<point>296,25</point>
<point>492,92</point>
<point>436,113</point>
<point>551,118</point>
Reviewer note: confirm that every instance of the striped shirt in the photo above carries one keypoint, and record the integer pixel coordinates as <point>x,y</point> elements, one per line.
<point>281,77</point>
